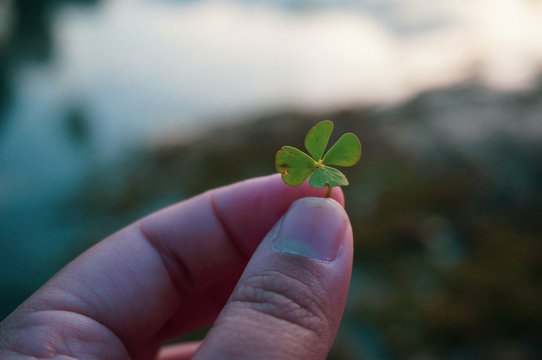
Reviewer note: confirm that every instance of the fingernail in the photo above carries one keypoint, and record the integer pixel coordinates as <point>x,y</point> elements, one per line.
<point>312,227</point>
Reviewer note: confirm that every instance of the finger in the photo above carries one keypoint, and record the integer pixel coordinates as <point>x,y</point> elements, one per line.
<point>210,269</point>
<point>171,271</point>
<point>183,351</point>
<point>290,298</point>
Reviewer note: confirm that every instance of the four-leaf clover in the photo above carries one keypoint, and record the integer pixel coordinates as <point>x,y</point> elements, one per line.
<point>296,166</point>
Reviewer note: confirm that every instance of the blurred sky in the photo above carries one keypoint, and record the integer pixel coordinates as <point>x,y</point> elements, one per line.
<point>142,67</point>
<point>156,63</point>
<point>142,71</point>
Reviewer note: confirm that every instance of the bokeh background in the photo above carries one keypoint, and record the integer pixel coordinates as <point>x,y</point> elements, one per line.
<point>112,109</point>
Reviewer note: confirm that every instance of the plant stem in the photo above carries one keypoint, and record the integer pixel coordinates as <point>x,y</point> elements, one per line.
<point>328,193</point>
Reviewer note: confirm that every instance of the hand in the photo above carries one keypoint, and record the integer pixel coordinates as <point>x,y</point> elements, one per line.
<point>178,269</point>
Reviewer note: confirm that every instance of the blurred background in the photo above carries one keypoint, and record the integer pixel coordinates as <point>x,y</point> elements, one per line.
<point>112,109</point>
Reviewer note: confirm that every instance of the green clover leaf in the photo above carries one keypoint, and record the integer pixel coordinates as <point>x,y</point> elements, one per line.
<point>296,166</point>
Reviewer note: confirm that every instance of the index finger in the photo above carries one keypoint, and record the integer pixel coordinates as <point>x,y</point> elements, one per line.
<point>174,269</point>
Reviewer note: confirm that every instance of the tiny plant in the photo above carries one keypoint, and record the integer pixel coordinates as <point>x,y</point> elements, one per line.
<point>296,166</point>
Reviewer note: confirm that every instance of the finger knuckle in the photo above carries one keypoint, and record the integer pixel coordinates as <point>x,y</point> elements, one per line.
<point>285,298</point>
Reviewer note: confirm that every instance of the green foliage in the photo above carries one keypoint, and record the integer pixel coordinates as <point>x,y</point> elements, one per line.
<point>296,166</point>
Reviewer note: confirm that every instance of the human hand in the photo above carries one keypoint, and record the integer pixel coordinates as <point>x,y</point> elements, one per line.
<point>181,267</point>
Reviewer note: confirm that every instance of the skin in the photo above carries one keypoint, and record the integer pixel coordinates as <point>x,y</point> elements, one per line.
<point>174,271</point>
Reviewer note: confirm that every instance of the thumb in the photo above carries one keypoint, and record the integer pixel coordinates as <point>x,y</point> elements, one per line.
<point>289,301</point>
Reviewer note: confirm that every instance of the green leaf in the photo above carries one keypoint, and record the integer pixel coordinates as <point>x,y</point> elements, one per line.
<point>327,176</point>
<point>294,165</point>
<point>317,138</point>
<point>345,152</point>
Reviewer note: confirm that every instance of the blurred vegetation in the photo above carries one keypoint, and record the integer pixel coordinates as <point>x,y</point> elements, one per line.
<point>447,236</point>
<point>28,38</point>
